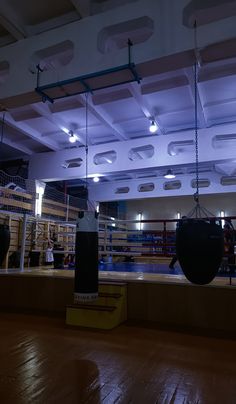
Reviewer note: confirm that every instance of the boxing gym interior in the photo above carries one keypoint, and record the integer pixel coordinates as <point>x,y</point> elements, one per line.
<point>118,201</point>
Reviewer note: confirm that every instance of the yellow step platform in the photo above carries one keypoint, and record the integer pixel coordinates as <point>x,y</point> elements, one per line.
<point>107,312</point>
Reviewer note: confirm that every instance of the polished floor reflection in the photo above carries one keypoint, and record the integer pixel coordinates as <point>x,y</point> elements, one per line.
<point>42,361</point>
<point>111,272</point>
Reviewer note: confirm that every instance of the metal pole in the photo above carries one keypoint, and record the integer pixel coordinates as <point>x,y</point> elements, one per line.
<point>39,70</point>
<point>129,50</point>
<point>22,251</point>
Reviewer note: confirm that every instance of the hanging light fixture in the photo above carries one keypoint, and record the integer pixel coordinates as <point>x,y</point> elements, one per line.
<point>72,137</point>
<point>96,179</point>
<point>153,126</point>
<point>169,174</point>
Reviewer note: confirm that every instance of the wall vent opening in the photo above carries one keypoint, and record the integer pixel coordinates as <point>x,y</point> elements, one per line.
<point>141,153</point>
<point>202,183</point>
<point>169,185</point>
<point>108,157</point>
<point>148,187</point>
<point>122,190</point>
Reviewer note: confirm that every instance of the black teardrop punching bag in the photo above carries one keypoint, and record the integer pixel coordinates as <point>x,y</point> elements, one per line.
<point>199,248</point>
<point>4,241</point>
<point>86,257</point>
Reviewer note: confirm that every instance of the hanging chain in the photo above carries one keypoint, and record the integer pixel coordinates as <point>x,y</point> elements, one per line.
<point>196,130</point>
<point>196,196</point>
<point>86,140</point>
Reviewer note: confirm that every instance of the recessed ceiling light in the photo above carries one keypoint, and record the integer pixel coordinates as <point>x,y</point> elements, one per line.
<point>96,179</point>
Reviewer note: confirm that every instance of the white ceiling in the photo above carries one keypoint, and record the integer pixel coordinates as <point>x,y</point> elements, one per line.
<point>118,113</point>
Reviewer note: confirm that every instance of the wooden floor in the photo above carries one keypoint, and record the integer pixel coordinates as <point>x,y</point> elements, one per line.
<point>42,361</point>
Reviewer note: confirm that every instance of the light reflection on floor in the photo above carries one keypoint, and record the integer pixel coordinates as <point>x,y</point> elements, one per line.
<point>128,272</point>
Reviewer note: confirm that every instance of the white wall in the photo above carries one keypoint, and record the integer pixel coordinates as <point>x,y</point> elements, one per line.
<point>167,208</point>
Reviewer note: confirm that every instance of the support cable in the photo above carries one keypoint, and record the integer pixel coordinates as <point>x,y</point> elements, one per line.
<point>86,141</point>
<point>2,126</point>
<point>198,211</point>
<point>196,195</point>
<point>196,131</point>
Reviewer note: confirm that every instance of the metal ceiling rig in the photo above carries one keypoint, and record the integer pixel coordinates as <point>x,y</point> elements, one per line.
<point>87,83</point>
<point>199,239</point>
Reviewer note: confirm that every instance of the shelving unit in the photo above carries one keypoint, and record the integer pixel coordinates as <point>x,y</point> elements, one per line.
<point>62,234</point>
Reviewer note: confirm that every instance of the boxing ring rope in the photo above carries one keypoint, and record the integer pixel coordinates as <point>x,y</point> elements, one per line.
<point>119,239</point>
<point>158,242</point>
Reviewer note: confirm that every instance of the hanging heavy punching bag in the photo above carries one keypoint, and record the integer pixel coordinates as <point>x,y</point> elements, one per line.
<point>4,241</point>
<point>86,257</point>
<point>199,248</point>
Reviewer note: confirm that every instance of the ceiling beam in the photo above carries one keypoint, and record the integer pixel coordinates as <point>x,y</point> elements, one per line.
<point>44,111</point>
<point>15,31</point>
<point>17,146</point>
<point>150,114</point>
<point>102,116</point>
<point>108,191</point>
<point>31,133</point>
<point>216,144</point>
<point>11,21</point>
<point>6,132</point>
<point>220,102</point>
<point>82,6</point>
<point>53,23</point>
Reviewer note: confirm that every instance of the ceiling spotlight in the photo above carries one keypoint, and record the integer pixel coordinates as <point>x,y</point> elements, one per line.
<point>153,127</point>
<point>96,179</point>
<point>73,137</point>
<point>169,175</point>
